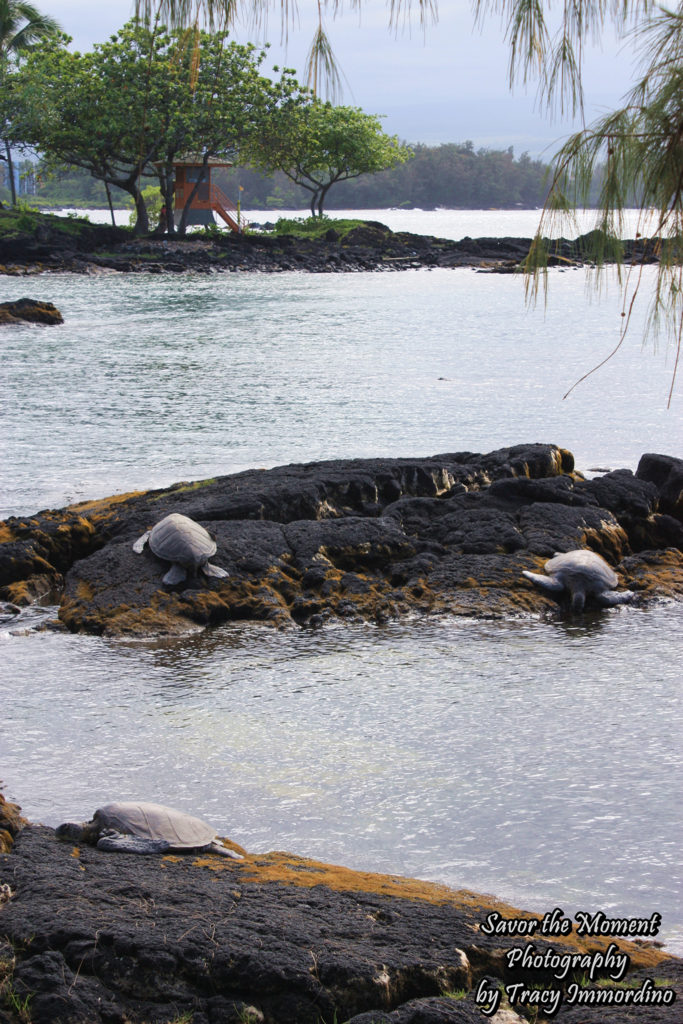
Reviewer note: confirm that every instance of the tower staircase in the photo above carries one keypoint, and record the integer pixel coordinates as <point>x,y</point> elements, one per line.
<point>224,207</point>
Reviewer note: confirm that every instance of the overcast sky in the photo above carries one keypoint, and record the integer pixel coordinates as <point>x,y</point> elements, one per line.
<point>448,84</point>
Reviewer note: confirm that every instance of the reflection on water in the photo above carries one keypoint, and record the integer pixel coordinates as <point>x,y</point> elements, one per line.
<point>534,760</point>
<point>182,379</point>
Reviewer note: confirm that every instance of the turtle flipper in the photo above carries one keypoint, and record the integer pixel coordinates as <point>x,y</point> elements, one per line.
<point>548,583</point>
<point>214,570</point>
<point>610,598</point>
<point>140,543</point>
<point>223,851</point>
<point>119,842</point>
<point>176,574</point>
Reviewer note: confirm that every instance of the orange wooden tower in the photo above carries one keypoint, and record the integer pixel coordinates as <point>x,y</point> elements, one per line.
<point>208,199</point>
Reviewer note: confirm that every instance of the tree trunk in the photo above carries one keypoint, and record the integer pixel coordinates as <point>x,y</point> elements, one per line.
<point>10,171</point>
<point>167,185</point>
<point>322,196</point>
<point>111,205</point>
<point>142,223</point>
<point>169,198</point>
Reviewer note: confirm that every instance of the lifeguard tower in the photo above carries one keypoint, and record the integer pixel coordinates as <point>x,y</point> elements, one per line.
<point>208,199</point>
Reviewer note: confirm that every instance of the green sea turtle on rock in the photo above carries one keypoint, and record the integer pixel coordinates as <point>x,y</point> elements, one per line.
<point>145,828</point>
<point>584,574</point>
<point>183,542</point>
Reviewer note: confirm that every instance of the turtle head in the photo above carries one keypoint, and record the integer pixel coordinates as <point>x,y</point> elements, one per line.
<point>72,832</point>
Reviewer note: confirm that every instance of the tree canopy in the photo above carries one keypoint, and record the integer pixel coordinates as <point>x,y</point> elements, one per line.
<point>317,145</point>
<point>132,105</point>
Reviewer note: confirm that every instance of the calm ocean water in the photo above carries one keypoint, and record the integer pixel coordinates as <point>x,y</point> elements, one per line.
<point>534,760</point>
<point>442,223</point>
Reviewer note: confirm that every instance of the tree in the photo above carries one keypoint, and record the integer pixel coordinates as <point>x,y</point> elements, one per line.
<point>317,145</point>
<point>22,27</point>
<point>127,109</point>
<point>220,101</point>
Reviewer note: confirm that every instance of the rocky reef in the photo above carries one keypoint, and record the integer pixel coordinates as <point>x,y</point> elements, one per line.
<point>29,311</point>
<point>359,539</point>
<point>114,938</point>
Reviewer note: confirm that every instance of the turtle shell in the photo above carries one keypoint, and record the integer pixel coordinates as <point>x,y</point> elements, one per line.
<point>587,567</point>
<point>179,539</point>
<point>154,821</point>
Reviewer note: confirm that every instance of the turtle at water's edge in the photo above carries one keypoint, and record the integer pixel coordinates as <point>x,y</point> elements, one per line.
<point>584,574</point>
<point>183,542</point>
<point>145,828</point>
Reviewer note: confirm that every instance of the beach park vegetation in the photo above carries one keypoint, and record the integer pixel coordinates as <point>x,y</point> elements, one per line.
<point>132,107</point>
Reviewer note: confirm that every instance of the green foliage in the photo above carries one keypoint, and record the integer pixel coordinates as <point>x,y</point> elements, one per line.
<point>314,227</point>
<point>211,232</point>
<point>25,220</point>
<point>59,185</point>
<point>453,175</point>
<point>22,27</point>
<point>317,145</point>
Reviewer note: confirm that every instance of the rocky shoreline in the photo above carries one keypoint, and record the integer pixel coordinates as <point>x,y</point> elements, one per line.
<point>90,937</point>
<point>369,247</point>
<point>352,540</point>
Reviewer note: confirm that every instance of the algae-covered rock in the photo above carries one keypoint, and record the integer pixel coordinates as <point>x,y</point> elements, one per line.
<point>357,539</point>
<point>32,311</point>
<point>100,937</point>
<point>11,822</point>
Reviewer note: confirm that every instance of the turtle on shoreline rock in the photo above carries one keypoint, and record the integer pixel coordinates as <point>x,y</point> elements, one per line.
<point>183,542</point>
<point>145,828</point>
<point>584,574</point>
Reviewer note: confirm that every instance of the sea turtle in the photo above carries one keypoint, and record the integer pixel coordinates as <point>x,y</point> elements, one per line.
<point>145,828</point>
<point>180,540</point>
<point>584,574</point>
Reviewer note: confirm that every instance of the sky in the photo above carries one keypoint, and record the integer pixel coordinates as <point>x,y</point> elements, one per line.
<point>448,83</point>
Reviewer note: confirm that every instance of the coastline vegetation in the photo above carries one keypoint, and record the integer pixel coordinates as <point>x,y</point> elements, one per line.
<point>136,106</point>
<point>452,176</point>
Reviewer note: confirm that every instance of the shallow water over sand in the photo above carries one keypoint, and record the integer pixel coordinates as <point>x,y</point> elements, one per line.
<point>536,761</point>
